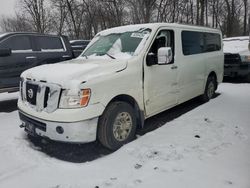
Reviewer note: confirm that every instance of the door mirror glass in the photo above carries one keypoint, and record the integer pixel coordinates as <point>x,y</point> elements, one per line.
<point>5,52</point>
<point>165,55</point>
<point>151,59</point>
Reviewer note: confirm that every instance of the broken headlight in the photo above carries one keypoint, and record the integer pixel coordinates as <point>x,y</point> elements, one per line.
<point>75,101</point>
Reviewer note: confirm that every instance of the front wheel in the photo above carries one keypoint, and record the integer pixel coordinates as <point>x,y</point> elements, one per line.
<point>209,89</point>
<point>117,125</point>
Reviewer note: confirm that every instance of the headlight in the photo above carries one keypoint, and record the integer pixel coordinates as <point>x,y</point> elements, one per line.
<point>75,101</point>
<point>245,58</point>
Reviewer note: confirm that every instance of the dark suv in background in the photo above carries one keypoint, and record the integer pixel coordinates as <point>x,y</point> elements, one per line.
<point>21,51</point>
<point>237,57</point>
<point>78,46</point>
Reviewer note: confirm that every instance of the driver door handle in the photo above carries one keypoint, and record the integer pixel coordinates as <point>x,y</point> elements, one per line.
<point>174,67</point>
<point>31,57</point>
<point>65,56</point>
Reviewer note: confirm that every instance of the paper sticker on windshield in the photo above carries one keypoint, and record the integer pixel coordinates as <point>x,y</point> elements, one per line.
<point>138,35</point>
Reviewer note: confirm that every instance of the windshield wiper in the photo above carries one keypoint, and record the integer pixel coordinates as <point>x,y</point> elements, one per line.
<point>85,56</point>
<point>112,57</point>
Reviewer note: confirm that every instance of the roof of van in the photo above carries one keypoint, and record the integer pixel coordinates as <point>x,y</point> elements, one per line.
<point>155,26</point>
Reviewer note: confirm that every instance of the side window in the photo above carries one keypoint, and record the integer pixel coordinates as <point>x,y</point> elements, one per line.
<point>17,43</point>
<point>165,38</point>
<point>192,42</point>
<point>212,41</point>
<point>48,44</point>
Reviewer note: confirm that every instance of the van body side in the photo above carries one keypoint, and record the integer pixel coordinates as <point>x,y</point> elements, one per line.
<point>125,75</point>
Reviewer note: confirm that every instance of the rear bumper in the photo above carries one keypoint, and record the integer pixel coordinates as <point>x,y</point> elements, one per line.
<point>75,132</point>
<point>235,70</point>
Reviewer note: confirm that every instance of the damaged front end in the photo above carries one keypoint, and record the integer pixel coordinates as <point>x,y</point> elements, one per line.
<point>47,99</point>
<point>40,96</point>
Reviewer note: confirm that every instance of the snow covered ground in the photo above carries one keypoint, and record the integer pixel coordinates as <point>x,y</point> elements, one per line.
<point>208,147</point>
<point>8,96</point>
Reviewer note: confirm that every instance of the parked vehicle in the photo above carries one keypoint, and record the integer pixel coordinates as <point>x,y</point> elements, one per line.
<point>21,51</point>
<point>78,46</point>
<point>125,75</point>
<point>237,57</point>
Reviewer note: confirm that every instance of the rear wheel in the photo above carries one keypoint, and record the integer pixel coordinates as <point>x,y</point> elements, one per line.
<point>209,89</point>
<point>117,125</point>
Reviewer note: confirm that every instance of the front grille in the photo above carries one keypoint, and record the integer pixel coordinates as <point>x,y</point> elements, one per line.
<point>41,96</point>
<point>46,97</point>
<point>31,93</point>
<point>35,123</point>
<point>232,58</point>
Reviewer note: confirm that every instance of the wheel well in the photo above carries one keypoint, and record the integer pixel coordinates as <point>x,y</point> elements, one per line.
<point>213,74</point>
<point>130,100</point>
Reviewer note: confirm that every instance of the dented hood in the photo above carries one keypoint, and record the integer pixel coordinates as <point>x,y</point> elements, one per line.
<point>74,72</point>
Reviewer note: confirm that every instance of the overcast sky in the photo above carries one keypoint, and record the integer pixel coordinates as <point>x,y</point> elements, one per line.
<point>7,7</point>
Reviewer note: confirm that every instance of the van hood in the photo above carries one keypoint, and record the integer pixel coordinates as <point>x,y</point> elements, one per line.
<point>74,72</point>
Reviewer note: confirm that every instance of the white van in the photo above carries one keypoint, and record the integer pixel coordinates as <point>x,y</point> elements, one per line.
<point>124,76</point>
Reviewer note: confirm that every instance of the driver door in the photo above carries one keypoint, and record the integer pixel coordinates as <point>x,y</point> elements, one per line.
<point>160,81</point>
<point>21,59</point>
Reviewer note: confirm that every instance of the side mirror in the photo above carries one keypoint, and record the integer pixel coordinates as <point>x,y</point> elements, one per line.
<point>165,55</point>
<point>5,52</point>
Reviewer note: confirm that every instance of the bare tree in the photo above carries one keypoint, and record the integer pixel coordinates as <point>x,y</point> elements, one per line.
<point>38,14</point>
<point>245,2</point>
<point>59,14</point>
<point>17,23</point>
<point>84,18</point>
<point>142,10</point>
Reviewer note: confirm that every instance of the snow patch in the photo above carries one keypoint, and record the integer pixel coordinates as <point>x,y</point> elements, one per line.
<point>171,156</point>
<point>8,96</point>
<point>235,44</point>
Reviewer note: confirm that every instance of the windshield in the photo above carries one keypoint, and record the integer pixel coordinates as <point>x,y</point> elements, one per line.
<point>118,45</point>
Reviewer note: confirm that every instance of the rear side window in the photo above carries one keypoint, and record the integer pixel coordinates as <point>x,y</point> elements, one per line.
<point>17,43</point>
<point>199,42</point>
<point>49,44</point>
<point>192,42</point>
<point>212,41</point>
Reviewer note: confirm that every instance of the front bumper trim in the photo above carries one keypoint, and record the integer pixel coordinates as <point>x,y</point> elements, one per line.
<point>75,132</point>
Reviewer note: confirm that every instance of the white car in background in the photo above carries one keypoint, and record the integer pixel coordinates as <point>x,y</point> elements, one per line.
<point>237,57</point>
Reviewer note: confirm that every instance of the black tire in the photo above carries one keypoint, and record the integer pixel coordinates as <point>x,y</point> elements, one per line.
<point>210,89</point>
<point>109,130</point>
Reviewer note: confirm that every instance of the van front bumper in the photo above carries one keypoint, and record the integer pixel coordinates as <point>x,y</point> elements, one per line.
<point>75,132</point>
